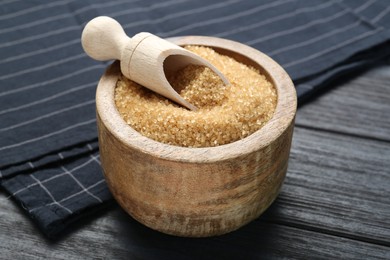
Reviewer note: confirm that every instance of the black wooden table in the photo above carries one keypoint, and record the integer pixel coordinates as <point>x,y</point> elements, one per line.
<point>335,202</point>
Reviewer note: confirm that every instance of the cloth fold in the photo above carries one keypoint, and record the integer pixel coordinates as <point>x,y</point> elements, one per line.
<point>49,161</point>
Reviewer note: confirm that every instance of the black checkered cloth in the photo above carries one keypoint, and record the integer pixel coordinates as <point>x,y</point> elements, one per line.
<point>49,159</point>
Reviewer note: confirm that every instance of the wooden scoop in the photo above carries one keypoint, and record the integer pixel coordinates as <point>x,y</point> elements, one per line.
<point>145,58</point>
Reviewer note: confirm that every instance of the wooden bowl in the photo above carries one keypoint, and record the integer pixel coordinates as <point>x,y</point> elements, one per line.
<point>197,192</point>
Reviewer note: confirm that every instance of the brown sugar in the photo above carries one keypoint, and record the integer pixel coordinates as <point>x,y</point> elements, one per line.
<point>225,113</point>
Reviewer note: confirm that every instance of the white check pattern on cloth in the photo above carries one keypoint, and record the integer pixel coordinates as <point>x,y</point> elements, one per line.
<point>48,143</point>
<point>77,193</point>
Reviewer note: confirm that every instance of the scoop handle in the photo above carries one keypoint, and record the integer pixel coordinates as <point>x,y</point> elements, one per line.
<point>103,38</point>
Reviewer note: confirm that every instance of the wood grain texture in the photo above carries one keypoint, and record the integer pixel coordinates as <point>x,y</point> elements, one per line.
<point>339,184</point>
<point>359,107</point>
<point>197,192</point>
<point>333,205</point>
<point>115,235</point>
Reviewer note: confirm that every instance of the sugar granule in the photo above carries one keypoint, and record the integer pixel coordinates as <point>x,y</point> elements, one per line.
<point>225,113</point>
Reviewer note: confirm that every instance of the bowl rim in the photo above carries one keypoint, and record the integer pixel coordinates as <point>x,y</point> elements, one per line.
<point>282,118</point>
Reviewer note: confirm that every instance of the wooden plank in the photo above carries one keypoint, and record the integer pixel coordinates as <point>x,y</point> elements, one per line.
<point>334,203</point>
<point>360,107</point>
<point>117,236</point>
<point>337,184</point>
